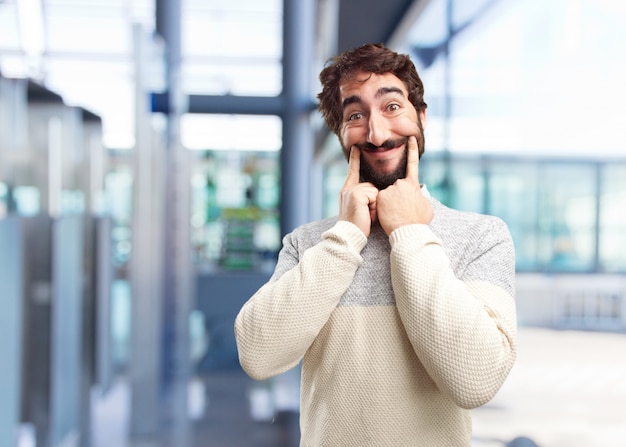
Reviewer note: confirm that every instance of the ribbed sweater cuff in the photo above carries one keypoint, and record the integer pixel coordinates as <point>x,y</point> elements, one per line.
<point>416,232</point>
<point>350,233</point>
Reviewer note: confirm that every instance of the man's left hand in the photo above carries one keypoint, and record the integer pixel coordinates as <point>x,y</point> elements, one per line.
<point>403,202</point>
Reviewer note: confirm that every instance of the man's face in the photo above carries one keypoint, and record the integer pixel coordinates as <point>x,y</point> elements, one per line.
<point>378,118</point>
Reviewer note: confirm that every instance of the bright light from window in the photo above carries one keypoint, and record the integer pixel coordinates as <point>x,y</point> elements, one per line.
<point>231,132</point>
<point>530,77</point>
<point>31,22</point>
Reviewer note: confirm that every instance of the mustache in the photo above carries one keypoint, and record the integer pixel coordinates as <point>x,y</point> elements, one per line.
<point>388,144</point>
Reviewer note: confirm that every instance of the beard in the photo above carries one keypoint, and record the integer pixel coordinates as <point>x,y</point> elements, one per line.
<point>383,180</point>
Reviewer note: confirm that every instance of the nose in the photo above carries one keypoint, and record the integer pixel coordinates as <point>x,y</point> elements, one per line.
<point>377,132</point>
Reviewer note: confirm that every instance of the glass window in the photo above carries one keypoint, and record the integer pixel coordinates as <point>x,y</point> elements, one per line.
<point>513,68</point>
<point>334,178</point>
<point>466,184</point>
<point>513,197</point>
<point>214,62</point>
<point>455,181</point>
<point>231,132</point>
<point>566,217</point>
<point>4,200</point>
<point>235,210</point>
<point>432,173</point>
<point>119,196</point>
<point>549,207</point>
<point>612,237</point>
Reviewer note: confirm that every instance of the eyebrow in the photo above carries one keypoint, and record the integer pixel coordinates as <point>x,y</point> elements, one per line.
<point>380,92</point>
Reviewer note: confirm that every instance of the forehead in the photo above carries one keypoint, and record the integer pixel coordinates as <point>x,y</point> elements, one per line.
<point>369,84</point>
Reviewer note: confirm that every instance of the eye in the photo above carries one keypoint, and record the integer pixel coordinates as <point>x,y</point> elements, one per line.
<point>393,107</point>
<point>355,116</point>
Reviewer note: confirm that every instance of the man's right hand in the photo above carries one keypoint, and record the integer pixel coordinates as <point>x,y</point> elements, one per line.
<point>357,201</point>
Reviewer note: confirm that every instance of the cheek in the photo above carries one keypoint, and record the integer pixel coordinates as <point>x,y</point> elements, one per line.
<point>348,138</point>
<point>407,125</point>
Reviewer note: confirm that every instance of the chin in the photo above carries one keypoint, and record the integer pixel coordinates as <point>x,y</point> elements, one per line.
<point>389,167</point>
<point>382,180</point>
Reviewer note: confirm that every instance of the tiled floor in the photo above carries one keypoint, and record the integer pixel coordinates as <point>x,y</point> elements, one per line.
<point>567,389</point>
<point>228,422</point>
<point>225,420</point>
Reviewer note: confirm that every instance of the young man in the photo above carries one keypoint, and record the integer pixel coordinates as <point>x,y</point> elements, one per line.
<point>401,309</point>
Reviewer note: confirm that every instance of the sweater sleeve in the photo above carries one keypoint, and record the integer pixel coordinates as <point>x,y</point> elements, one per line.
<point>462,329</point>
<point>278,324</point>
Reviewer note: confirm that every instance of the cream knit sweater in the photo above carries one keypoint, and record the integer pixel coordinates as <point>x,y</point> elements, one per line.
<point>400,336</point>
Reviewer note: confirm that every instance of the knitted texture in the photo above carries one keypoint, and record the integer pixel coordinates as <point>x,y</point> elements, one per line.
<point>399,335</point>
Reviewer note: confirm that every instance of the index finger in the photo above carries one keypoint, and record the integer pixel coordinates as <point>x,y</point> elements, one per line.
<point>354,167</point>
<point>413,159</point>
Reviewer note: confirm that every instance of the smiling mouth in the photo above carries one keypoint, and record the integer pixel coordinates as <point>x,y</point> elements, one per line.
<point>386,146</point>
<point>380,149</point>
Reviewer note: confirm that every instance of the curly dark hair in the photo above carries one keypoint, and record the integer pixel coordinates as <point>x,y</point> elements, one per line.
<point>369,58</point>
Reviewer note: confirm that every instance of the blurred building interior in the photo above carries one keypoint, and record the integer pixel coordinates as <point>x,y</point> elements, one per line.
<point>154,153</point>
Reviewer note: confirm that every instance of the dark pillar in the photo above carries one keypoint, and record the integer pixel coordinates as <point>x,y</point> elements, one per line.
<point>176,266</point>
<point>297,150</point>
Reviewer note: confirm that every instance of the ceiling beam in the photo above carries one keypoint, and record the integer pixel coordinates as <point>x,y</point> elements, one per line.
<point>370,21</point>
